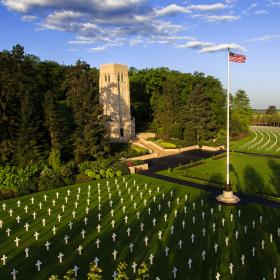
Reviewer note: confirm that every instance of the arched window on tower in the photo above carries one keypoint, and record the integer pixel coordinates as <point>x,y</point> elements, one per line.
<point>105,78</point>
<point>109,78</point>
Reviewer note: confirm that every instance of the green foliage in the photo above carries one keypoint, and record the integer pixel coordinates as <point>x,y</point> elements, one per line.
<point>54,160</point>
<point>119,173</point>
<point>54,277</point>
<point>121,270</point>
<point>19,180</point>
<point>271,110</point>
<point>90,173</point>
<point>95,273</point>
<point>69,275</point>
<point>143,272</point>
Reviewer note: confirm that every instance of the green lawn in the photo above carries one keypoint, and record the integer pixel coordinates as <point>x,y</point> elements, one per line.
<point>248,174</point>
<point>197,203</point>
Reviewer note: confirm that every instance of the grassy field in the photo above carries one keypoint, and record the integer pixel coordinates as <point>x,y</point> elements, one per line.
<point>186,201</point>
<point>248,174</point>
<point>261,140</point>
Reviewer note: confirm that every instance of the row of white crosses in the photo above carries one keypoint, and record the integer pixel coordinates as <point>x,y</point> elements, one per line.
<point>159,206</point>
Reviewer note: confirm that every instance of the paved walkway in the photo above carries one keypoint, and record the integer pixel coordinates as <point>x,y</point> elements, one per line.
<point>164,163</point>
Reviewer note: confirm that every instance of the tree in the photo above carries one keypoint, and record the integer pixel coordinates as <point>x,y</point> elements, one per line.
<point>241,113</point>
<point>271,110</point>
<point>69,275</point>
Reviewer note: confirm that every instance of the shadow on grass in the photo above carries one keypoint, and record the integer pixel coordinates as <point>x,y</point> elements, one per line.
<point>254,182</point>
<point>275,177</point>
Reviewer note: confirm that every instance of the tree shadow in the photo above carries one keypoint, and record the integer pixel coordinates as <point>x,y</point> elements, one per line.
<point>275,177</point>
<point>254,182</point>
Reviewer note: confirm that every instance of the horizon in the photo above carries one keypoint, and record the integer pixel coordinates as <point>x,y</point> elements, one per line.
<point>184,36</point>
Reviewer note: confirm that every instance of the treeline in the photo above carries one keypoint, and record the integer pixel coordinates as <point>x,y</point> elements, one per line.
<point>271,117</point>
<point>189,107</point>
<point>51,122</point>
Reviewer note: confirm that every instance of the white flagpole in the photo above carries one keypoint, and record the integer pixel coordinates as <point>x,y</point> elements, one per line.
<point>228,91</point>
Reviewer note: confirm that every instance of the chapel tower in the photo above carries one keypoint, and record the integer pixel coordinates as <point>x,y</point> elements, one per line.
<point>115,98</point>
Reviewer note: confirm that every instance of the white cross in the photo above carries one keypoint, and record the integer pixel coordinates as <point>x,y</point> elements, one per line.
<point>85,220</point>
<point>60,256</point>
<point>154,221</point>
<point>96,261</point>
<point>125,219</point>
<point>262,244</point>
<point>66,199</point>
<point>185,209</point>
<point>231,268</point>
<point>243,259</point>
<point>78,197</point>
<point>226,240</point>
<point>236,235</point>
<point>146,240</point>
<point>253,224</point>
<point>34,215</point>
<point>165,217</point>
<point>216,247</point>
<point>54,230</point>
<point>159,234</point>
<point>11,212</point>
<point>203,215</point>
<point>57,194</point>
<point>245,229</point>
<point>124,207</point>
<point>190,263</point>
<point>26,252</point>
<point>70,225</point>
<point>53,202</point>
<point>223,222</point>
<point>115,254</point>
<point>43,222</point>
<point>75,269</point>
<point>274,273</point>
<point>214,227</point>
<point>114,237</point>
<point>218,275</point>
<point>32,200</point>
<point>80,248</point>
<point>36,235</point>
<point>97,243</point>
<point>174,271</point>
<point>14,273</point>
<point>1,223</point>
<point>4,206</point>
<point>159,207</point>
<point>134,265</point>
<point>121,200</point>
<point>169,203</point>
<point>3,259</point>
<point>183,224</point>
<point>47,244</point>
<point>38,264</point>
<point>83,232</point>
<point>203,231</point>
<point>231,217</point>
<point>115,274</point>
<point>239,213</point>
<point>261,218</point>
<point>26,209</point>
<point>138,215</point>
<point>193,219</point>
<point>193,205</point>
<point>192,238</point>
<point>59,218</point>
<point>87,210</point>
<point>203,255</point>
<point>66,237</point>
<point>166,251</point>
<point>98,227</point>
<point>74,214</point>
<point>45,197</point>
<point>128,232</point>
<point>17,241</point>
<point>18,219</point>
<point>49,211</point>
<point>40,205</point>
<point>271,238</point>
<point>88,201</point>
<point>113,223</point>
<point>18,203</point>
<point>76,204</point>
<point>180,244</point>
<point>253,251</point>
<point>99,216</point>
<point>131,245</point>
<point>172,229</point>
<point>8,231</point>
<point>178,200</point>
<point>151,258</point>
<point>220,207</point>
<point>211,210</point>
<point>145,202</point>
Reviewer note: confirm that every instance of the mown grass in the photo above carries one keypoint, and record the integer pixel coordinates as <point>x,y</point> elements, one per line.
<point>193,205</point>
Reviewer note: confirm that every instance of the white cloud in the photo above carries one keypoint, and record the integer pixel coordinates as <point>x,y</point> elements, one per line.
<point>221,47</point>
<point>264,38</point>
<point>194,45</point>
<point>274,3</point>
<point>171,9</point>
<point>28,18</point>
<point>261,12</point>
<point>221,18</point>
<point>211,7</point>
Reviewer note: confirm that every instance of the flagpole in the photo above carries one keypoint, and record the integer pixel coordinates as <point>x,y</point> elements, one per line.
<point>228,91</point>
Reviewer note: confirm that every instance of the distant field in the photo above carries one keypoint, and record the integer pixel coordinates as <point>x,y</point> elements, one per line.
<point>248,174</point>
<point>262,140</point>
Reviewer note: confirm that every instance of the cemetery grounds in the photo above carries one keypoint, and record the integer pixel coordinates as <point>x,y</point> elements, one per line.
<point>177,230</point>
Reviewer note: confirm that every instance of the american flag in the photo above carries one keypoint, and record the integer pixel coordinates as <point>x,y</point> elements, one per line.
<point>240,58</point>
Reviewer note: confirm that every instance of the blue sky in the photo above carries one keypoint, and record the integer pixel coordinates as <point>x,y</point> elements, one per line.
<point>186,35</point>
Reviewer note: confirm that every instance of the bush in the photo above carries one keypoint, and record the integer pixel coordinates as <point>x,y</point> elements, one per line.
<point>119,173</point>
<point>90,173</point>
<point>49,180</point>
<point>98,177</point>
